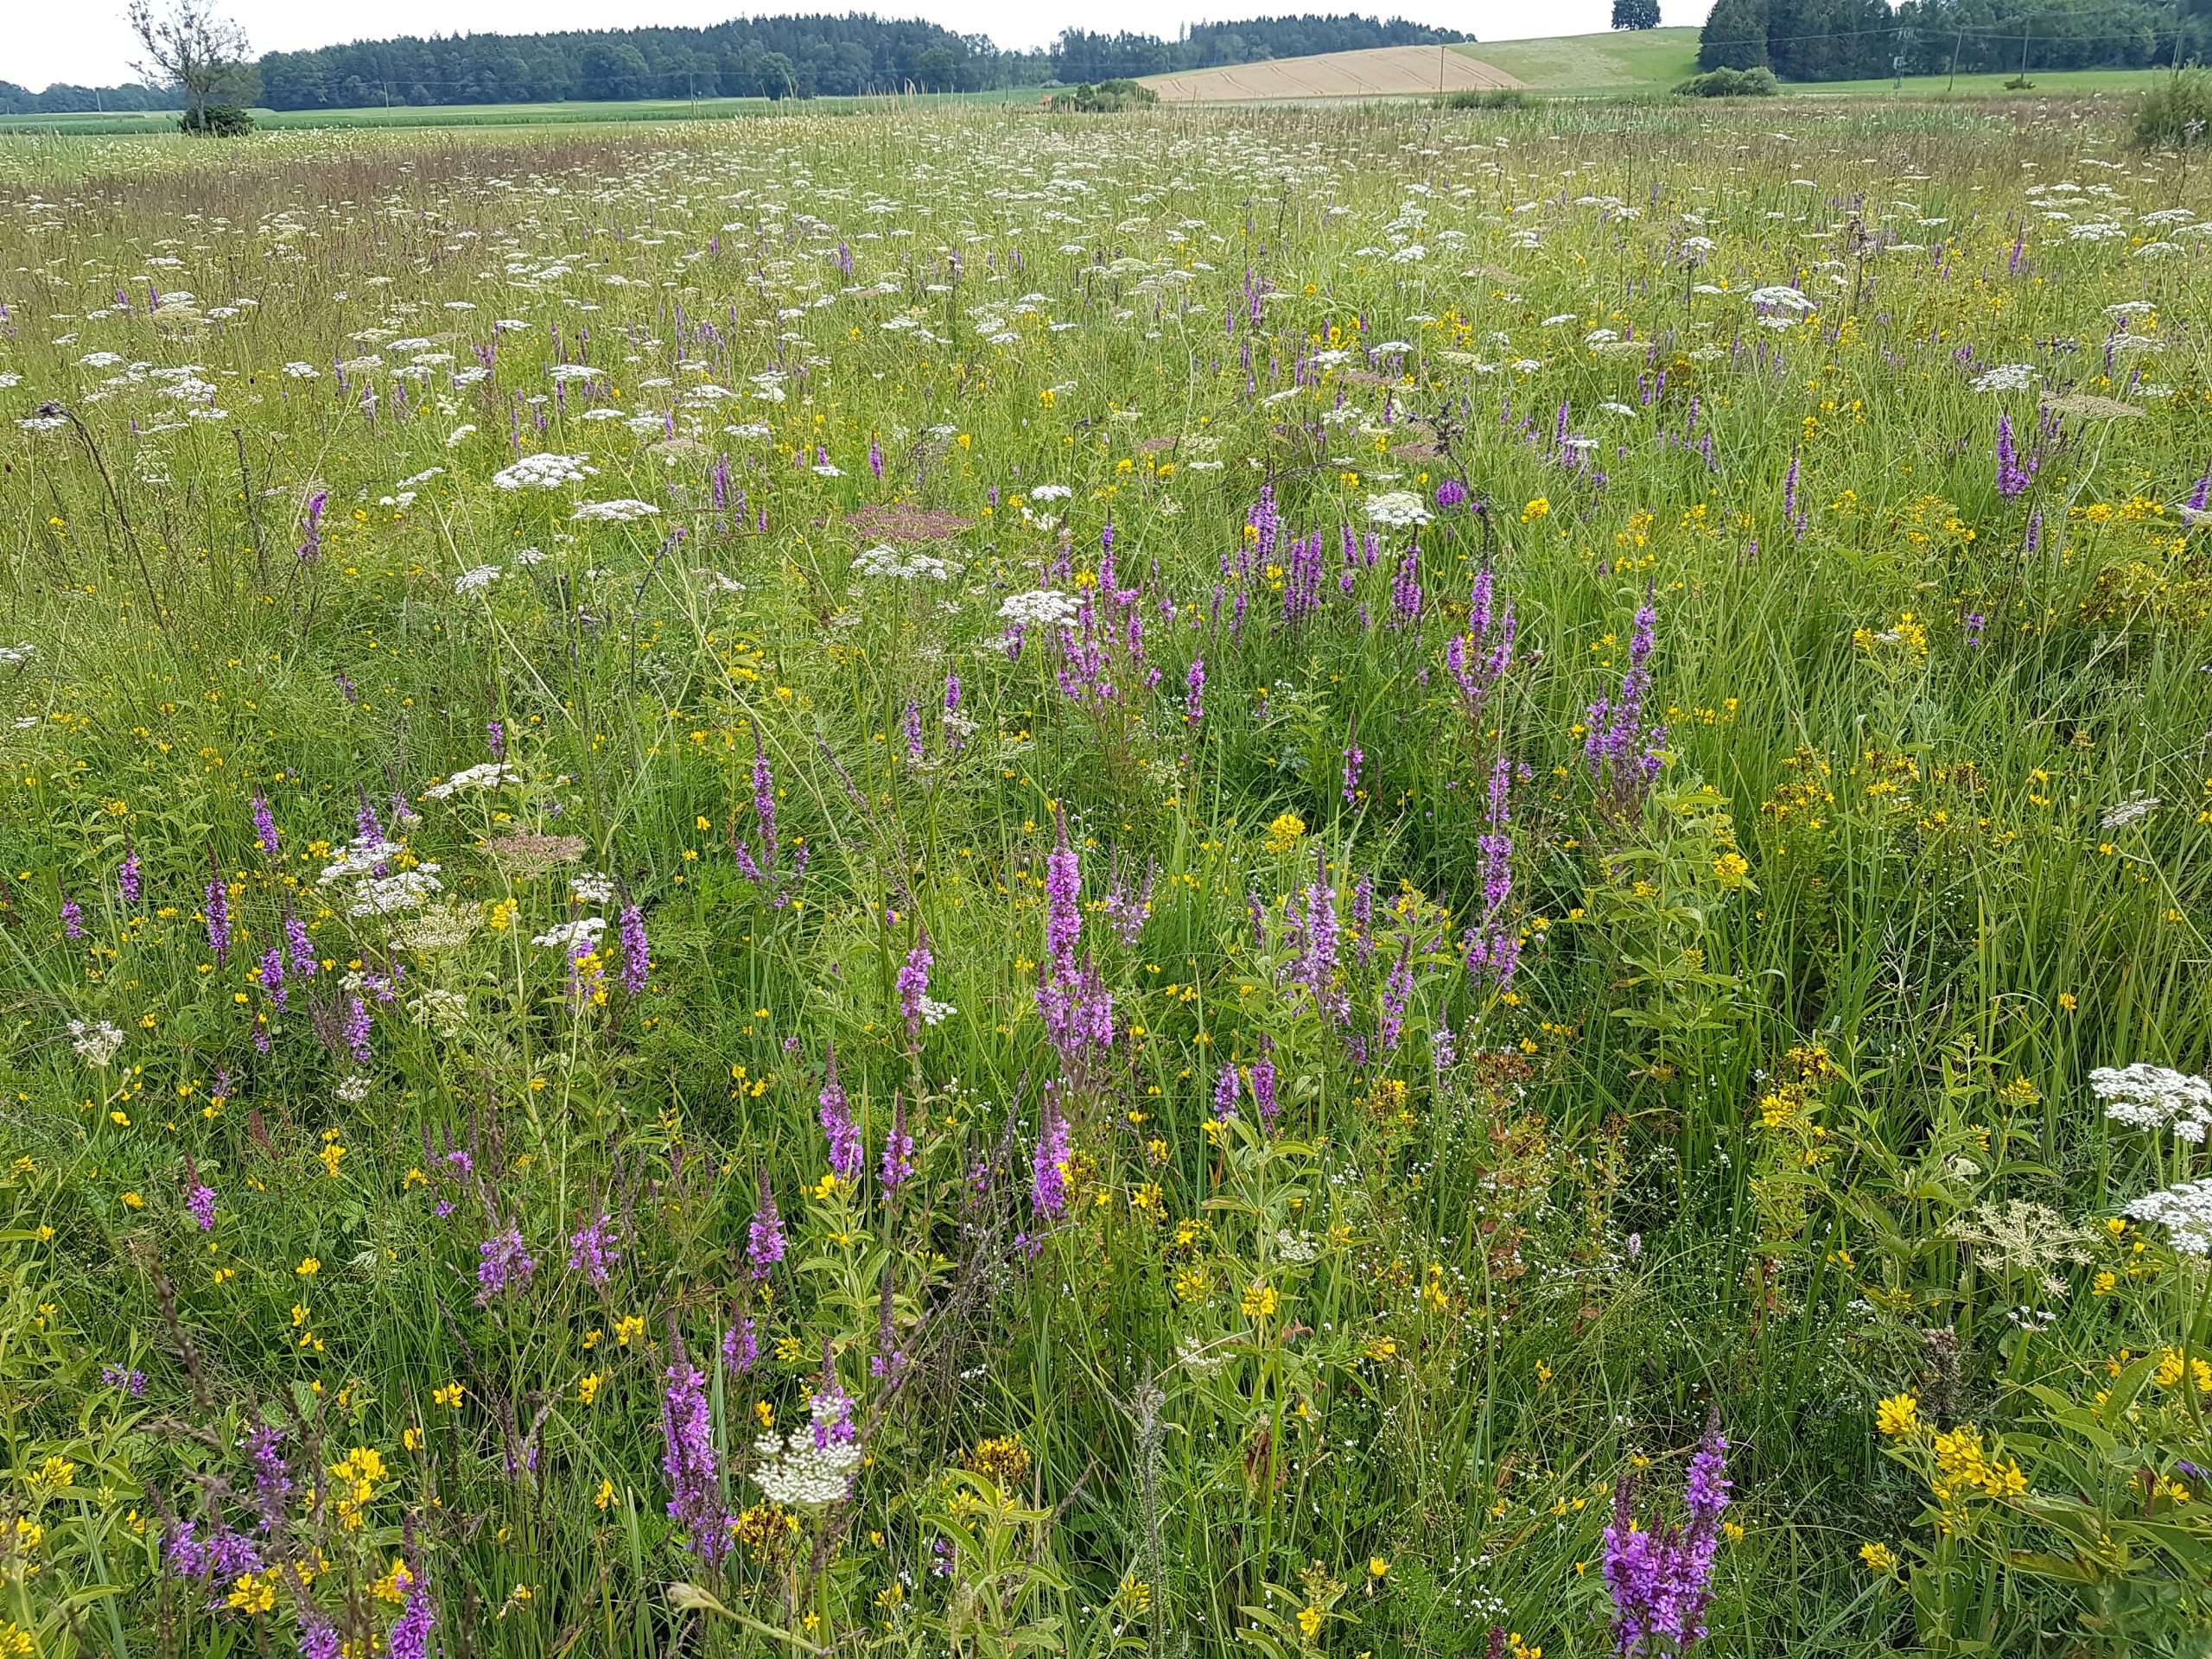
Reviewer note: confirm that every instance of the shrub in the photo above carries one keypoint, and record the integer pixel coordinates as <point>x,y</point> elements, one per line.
<point>2177,111</point>
<point>216,121</point>
<point>1496,97</point>
<point>1105,98</point>
<point>1730,83</point>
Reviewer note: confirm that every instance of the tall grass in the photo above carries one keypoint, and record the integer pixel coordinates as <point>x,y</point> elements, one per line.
<point>1794,1013</point>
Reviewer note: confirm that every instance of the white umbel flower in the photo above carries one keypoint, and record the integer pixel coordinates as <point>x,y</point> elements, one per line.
<point>2153,1097</point>
<point>2185,1212</point>
<point>544,472</point>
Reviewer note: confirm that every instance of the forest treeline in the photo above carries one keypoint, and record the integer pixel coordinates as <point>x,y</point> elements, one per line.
<point>752,57</point>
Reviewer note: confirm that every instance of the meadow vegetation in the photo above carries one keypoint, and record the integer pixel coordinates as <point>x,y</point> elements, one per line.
<point>959,881</point>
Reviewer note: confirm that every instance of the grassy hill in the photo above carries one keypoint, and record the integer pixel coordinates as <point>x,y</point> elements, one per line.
<point>1649,60</point>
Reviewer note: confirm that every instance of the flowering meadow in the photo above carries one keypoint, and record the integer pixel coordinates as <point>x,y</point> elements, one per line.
<point>992,884</point>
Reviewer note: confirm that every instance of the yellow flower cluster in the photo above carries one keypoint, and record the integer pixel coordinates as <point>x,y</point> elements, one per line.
<point>356,1475</point>
<point>1002,1460</point>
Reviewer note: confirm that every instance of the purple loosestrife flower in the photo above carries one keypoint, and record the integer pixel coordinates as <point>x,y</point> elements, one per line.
<point>296,936</point>
<point>271,974</point>
<point>201,1202</point>
<point>957,726</point>
<point>847,1150</point>
<point>1661,1580</point>
<point>1354,757</point>
<point>898,1149</point>
<point>355,1029</point>
<point>1128,907</point>
<point>1405,601</point>
<point>311,549</point>
<point>741,1344</point>
<point>1493,944</point>
<point>2201,493</point>
<point>1317,965</point>
<point>264,825</point>
<point>1397,991</point>
<point>637,952</point>
<point>1450,493</point>
<point>410,1631</point>
<point>764,1245</point>
<point>218,912</point>
<point>831,1408</point>
<point>914,984</point>
<point>1363,917</point>
<point>2012,479</point>
<point>1622,753</point>
<point>688,1458</point>
<point>503,1264</point>
<point>318,1638</point>
<point>911,724</point>
<point>273,1475</point>
<point>762,871</point>
<point>1194,689</point>
<point>1263,1085</point>
<point>592,1249</point>
<point>122,1377</point>
<point>495,738</point>
<point>1048,1169</point>
<point>1063,894</point>
<point>129,884</point>
<point>72,919</point>
<point>1226,1088</point>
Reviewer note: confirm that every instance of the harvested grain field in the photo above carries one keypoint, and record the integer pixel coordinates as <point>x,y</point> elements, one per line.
<point>1380,72</point>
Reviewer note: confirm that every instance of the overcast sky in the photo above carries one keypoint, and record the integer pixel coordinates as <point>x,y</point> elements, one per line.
<point>91,46</point>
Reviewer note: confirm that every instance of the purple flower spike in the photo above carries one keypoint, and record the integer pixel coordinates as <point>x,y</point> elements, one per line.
<point>764,1245</point>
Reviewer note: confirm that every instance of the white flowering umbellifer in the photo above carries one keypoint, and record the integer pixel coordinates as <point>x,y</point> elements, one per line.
<point>563,936</point>
<point>544,472</point>
<point>15,656</point>
<point>2008,376</point>
<point>2145,1097</point>
<point>591,887</point>
<point>888,563</point>
<point>794,1471</point>
<point>490,775</point>
<point>444,1012</point>
<point>95,1043</point>
<point>1780,297</point>
<point>2134,807</point>
<point>2185,1212</point>
<point>615,512</point>
<point>1398,509</point>
<point>357,858</point>
<point>405,890</point>
<point>469,582</point>
<point>441,927</point>
<point>1041,608</point>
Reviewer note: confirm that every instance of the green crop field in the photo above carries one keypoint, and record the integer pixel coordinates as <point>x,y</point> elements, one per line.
<point>1359,883</point>
<point>573,113</point>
